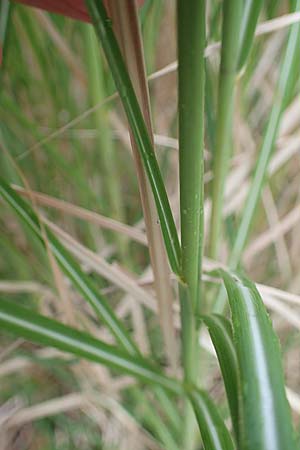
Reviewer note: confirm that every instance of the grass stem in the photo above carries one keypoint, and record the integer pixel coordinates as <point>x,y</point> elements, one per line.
<point>191,75</point>
<point>251,12</point>
<point>191,37</point>
<point>232,10</point>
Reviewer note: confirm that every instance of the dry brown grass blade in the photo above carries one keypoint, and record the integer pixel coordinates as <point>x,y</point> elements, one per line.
<point>159,139</point>
<point>284,296</point>
<point>272,234</point>
<point>48,408</point>
<point>285,312</point>
<point>290,120</point>
<point>98,264</point>
<point>126,27</point>
<point>21,364</point>
<point>277,24</point>
<point>17,287</point>
<point>84,214</point>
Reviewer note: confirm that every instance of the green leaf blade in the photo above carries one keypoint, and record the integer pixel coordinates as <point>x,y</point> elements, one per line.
<point>214,433</point>
<point>265,415</point>
<point>44,331</point>
<point>220,331</point>
<point>251,13</point>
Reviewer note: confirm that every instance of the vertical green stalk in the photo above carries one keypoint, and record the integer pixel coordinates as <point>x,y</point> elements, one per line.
<point>232,10</point>
<point>191,75</point>
<point>106,149</point>
<point>251,12</point>
<point>190,360</point>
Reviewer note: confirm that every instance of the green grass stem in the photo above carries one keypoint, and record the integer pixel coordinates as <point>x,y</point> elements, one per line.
<point>232,11</point>
<point>251,13</point>
<point>191,76</point>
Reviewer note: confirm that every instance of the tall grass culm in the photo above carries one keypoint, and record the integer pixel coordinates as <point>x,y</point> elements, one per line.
<point>135,211</point>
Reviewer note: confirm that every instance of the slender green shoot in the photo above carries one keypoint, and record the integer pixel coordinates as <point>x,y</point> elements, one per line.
<point>251,13</point>
<point>232,10</point>
<point>191,75</point>
<point>264,413</point>
<point>214,433</point>
<point>42,330</point>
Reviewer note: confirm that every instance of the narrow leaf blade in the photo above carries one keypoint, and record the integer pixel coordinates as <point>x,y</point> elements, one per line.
<point>220,331</point>
<point>214,433</point>
<point>251,13</point>
<point>265,414</point>
<point>44,331</point>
